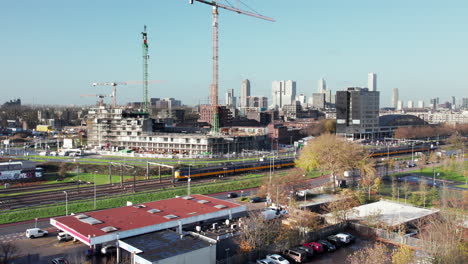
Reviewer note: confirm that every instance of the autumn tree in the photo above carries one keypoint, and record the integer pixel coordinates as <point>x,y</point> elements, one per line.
<point>257,233</point>
<point>376,254</point>
<point>331,154</point>
<point>280,187</point>
<point>403,255</point>
<point>369,179</point>
<point>342,208</point>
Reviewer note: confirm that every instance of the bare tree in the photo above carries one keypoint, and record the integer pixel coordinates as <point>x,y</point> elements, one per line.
<point>257,233</point>
<point>377,254</point>
<point>8,252</point>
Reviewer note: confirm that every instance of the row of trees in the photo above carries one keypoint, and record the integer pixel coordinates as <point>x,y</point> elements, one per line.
<point>430,131</point>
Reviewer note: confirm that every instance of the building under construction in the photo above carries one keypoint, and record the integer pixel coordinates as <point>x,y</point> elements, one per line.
<point>120,129</point>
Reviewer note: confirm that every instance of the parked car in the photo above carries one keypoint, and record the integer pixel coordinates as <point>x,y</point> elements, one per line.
<point>232,195</point>
<point>317,247</point>
<point>109,249</point>
<point>35,232</point>
<point>255,199</point>
<point>296,255</point>
<point>60,261</point>
<point>265,261</point>
<point>308,250</point>
<point>62,236</point>
<point>336,241</point>
<point>345,238</point>
<point>277,259</point>
<point>329,247</point>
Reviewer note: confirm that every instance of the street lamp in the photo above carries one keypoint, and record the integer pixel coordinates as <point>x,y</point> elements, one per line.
<point>189,180</point>
<point>66,202</point>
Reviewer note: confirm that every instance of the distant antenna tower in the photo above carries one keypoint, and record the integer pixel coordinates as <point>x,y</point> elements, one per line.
<point>145,70</point>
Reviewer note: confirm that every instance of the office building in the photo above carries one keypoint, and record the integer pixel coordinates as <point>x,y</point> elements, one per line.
<point>453,101</point>
<point>318,101</point>
<point>372,81</point>
<point>399,105</point>
<point>283,93</point>
<point>410,104</point>
<point>464,103</point>
<point>395,98</point>
<point>434,103</point>
<point>420,104</point>
<point>245,93</point>
<point>357,112</point>
<point>302,99</point>
<point>322,86</point>
<point>259,102</point>
<point>230,98</point>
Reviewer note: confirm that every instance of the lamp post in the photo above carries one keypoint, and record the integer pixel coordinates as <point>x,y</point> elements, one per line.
<point>189,180</point>
<point>95,189</point>
<point>66,203</point>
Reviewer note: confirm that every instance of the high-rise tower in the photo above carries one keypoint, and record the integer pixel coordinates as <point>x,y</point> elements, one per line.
<point>245,93</point>
<point>395,98</point>
<point>145,69</point>
<point>372,81</point>
<point>322,86</point>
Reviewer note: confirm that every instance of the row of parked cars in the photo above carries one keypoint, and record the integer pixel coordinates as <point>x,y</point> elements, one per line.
<point>305,252</point>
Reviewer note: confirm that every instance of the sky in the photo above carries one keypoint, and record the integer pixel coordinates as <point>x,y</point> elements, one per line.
<point>52,50</point>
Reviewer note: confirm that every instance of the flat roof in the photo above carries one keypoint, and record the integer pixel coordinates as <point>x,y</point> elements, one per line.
<point>117,223</point>
<point>391,213</point>
<point>163,244</point>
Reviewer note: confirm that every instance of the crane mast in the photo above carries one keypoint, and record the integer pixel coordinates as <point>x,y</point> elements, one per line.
<point>145,69</point>
<point>215,83</point>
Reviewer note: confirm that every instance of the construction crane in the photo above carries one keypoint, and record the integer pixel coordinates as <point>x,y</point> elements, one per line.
<point>115,84</point>
<point>214,84</point>
<point>99,96</point>
<point>114,90</point>
<point>145,69</point>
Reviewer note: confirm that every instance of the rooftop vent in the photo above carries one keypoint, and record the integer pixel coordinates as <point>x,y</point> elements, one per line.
<point>109,229</point>
<point>203,201</point>
<point>220,206</point>
<point>192,213</point>
<point>153,211</point>
<point>91,221</point>
<point>171,216</point>
<point>139,206</point>
<point>187,198</point>
<point>81,216</point>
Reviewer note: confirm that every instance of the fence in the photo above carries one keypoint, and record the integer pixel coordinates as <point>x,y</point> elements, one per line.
<point>386,235</point>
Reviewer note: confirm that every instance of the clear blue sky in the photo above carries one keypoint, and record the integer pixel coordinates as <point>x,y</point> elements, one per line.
<point>52,50</point>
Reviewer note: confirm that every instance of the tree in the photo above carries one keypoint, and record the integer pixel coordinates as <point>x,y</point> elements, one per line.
<point>280,187</point>
<point>423,191</point>
<point>8,252</point>
<point>342,208</point>
<point>377,254</point>
<point>369,178</point>
<point>422,162</point>
<point>257,233</point>
<point>331,154</point>
<point>402,255</point>
<point>406,188</point>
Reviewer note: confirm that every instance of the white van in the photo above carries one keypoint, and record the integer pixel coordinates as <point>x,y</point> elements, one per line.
<point>35,232</point>
<point>62,236</point>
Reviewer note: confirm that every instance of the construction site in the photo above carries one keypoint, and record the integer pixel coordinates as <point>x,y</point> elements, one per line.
<point>117,128</point>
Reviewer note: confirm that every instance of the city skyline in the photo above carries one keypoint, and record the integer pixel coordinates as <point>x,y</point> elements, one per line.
<point>61,48</point>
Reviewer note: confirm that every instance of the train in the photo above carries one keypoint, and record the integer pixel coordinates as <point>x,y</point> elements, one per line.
<point>17,170</point>
<point>401,150</point>
<point>236,168</point>
<point>233,168</point>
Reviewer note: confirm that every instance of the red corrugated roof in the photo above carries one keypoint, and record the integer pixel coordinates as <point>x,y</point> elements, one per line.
<point>129,217</point>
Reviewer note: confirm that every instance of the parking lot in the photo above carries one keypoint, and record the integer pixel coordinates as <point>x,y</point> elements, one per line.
<point>43,250</point>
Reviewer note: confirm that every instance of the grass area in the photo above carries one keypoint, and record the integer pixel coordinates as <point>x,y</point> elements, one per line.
<point>87,205</point>
<point>462,186</point>
<point>446,174</point>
